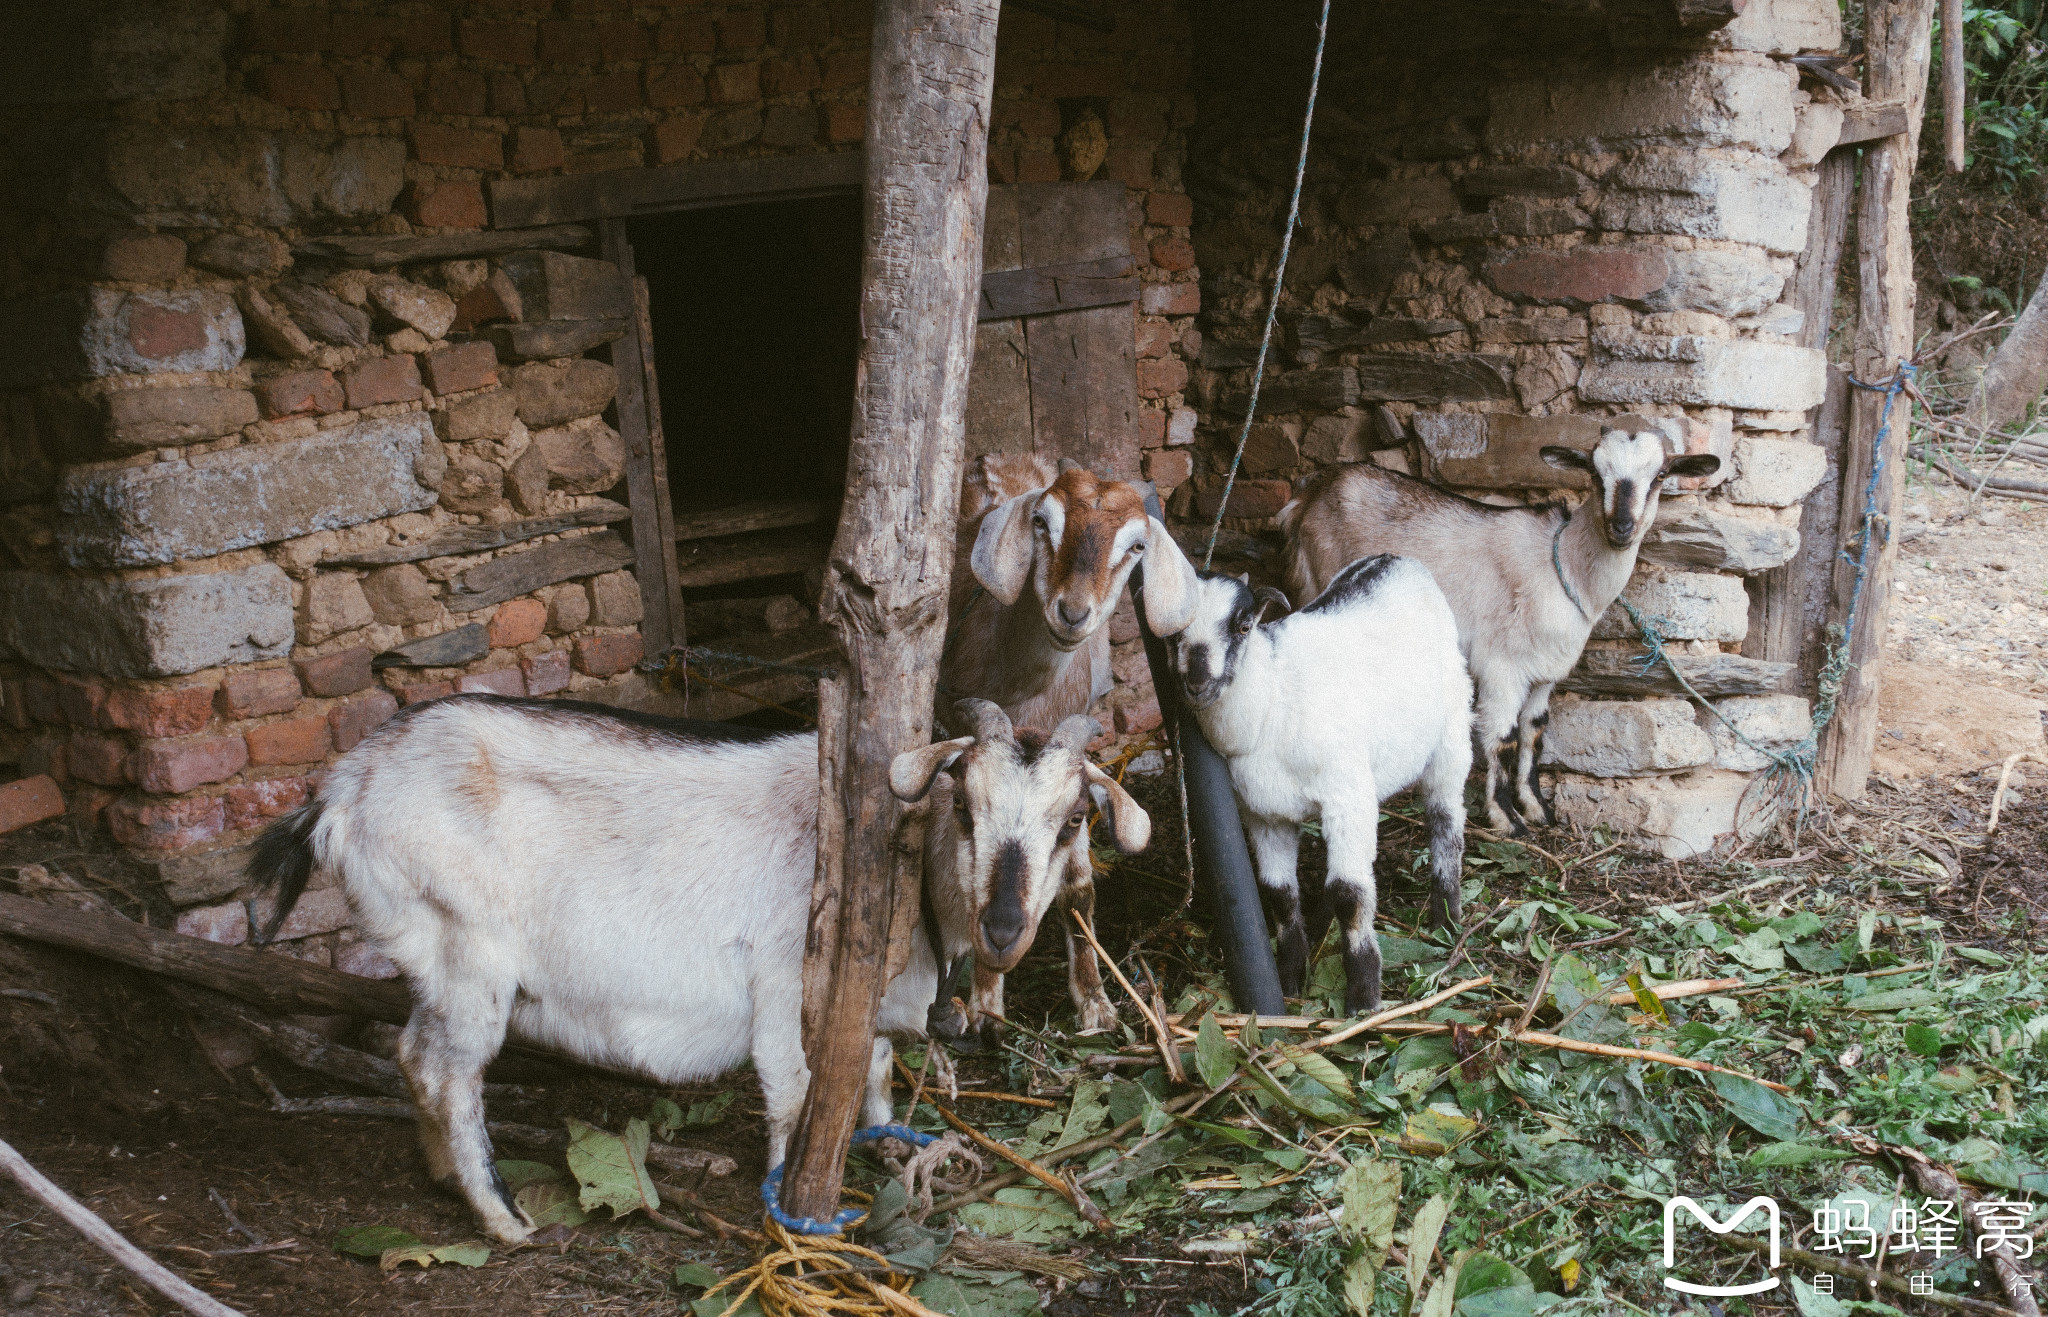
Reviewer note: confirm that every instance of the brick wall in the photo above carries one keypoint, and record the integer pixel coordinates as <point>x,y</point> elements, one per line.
<point>219,445</point>
<point>1503,237</point>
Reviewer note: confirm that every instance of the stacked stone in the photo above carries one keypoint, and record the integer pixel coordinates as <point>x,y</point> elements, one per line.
<point>1527,245</point>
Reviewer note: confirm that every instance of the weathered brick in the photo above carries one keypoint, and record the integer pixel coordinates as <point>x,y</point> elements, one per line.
<point>505,681</point>
<point>1140,717</point>
<point>1155,338</point>
<point>352,720</point>
<point>421,34</point>
<point>1169,208</point>
<point>1249,498</point>
<point>146,258</point>
<point>321,911</point>
<point>1169,468</point>
<point>690,34</point>
<point>29,800</point>
<point>460,368</point>
<point>97,757</point>
<point>289,31</point>
<point>376,94</point>
<point>158,418</point>
<point>290,741</point>
<point>250,803</point>
<point>508,94</point>
<point>604,656</point>
<point>1612,739</point>
<point>624,42</point>
<point>1582,274</point>
<point>423,691</point>
<point>742,29</point>
<point>1129,165</point>
<point>84,702</point>
<point>167,825</point>
<point>736,84</point>
<point>298,86</point>
<point>171,768</point>
<point>377,380</point>
<point>300,393</point>
<point>1151,423</point>
<point>1173,253</point>
<point>516,622</point>
<point>568,43</point>
<point>497,39</point>
<point>674,139</point>
<point>254,693</point>
<point>546,673</point>
<point>39,697</point>
<point>536,149</point>
<point>469,148</point>
<point>456,91</point>
<point>1170,299</point>
<point>341,673</point>
<point>1160,377</point>
<point>448,204</point>
<point>159,333</point>
<point>610,93</point>
<point>792,76</point>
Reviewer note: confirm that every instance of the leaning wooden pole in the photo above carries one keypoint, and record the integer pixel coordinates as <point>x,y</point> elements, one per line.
<point>1899,36</point>
<point>885,586</point>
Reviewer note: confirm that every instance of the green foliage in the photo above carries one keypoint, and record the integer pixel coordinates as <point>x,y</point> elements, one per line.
<point>2006,96</point>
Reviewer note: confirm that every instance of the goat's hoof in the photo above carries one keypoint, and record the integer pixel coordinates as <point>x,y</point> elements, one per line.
<point>991,1035</point>
<point>949,1025</point>
<point>1097,1015</point>
<point>508,1231</point>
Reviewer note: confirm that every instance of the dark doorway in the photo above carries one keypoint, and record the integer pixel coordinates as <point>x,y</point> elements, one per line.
<point>756,327</point>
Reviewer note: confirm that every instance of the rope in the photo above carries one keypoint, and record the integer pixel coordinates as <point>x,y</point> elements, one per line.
<point>771,1188</point>
<point>800,1276</point>
<point>1244,433</point>
<point>1791,770</point>
<point>1557,565</point>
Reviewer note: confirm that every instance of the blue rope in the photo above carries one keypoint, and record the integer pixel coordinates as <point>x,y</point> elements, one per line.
<point>1251,409</point>
<point>771,1188</point>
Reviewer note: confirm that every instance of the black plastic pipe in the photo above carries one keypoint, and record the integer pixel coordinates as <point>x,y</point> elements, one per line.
<point>1225,866</point>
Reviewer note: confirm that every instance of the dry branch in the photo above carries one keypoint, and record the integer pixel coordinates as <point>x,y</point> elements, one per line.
<point>1681,988</point>
<point>1868,1275</point>
<point>1375,1021</point>
<point>1538,1038</point>
<point>147,1269</point>
<point>2004,776</point>
<point>1169,1050</point>
<point>1089,1211</point>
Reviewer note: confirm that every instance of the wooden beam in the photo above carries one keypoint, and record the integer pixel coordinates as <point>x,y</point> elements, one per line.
<point>1787,605</point>
<point>759,514</point>
<point>1870,121</point>
<point>1953,86</point>
<point>614,193</point>
<point>886,582</point>
<point>1615,672</point>
<point>654,540</point>
<point>751,564</point>
<point>370,251</point>
<point>1050,288</point>
<point>522,573</point>
<point>1898,37</point>
<point>458,540</point>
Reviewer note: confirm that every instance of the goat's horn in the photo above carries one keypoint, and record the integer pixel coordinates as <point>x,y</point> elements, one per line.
<point>988,720</point>
<point>1074,733</point>
<point>1067,464</point>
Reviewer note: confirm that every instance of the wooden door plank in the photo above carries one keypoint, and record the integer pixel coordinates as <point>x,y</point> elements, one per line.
<point>1043,289</point>
<point>657,456</point>
<point>999,389</point>
<point>614,193</point>
<point>654,545</point>
<point>1083,364</point>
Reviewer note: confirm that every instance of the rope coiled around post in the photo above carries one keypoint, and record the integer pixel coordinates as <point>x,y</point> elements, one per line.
<point>771,1188</point>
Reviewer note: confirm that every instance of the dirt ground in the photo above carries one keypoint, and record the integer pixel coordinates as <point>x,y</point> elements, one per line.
<point>103,1088</point>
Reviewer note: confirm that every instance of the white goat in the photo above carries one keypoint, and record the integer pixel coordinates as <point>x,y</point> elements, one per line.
<point>1044,554</point>
<point>1324,714</point>
<point>634,891</point>
<point>1526,583</point>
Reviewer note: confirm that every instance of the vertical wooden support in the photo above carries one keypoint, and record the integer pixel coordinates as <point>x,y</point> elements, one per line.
<point>1787,604</point>
<point>1953,86</point>
<point>1899,37</point>
<point>639,412</point>
<point>886,582</point>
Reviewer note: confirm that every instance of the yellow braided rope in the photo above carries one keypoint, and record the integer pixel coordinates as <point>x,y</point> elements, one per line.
<point>819,1276</point>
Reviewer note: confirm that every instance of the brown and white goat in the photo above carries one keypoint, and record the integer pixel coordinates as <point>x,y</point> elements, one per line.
<point>634,891</point>
<point>1044,554</point>
<point>1526,583</point>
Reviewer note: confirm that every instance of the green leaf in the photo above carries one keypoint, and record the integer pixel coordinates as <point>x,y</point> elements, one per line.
<point>472,1254</point>
<point>960,1298</point>
<point>1923,1040</point>
<point>552,1202</point>
<point>1029,1216</point>
<point>1215,1058</point>
<point>1816,957</point>
<point>1484,1272</point>
<point>1231,1132</point>
<point>1440,1300</point>
<point>714,1305</point>
<point>1371,1191</point>
<point>1812,1303</point>
<point>1898,999</point>
<point>696,1273</point>
<point>1433,1131</point>
<point>1981,956</point>
<point>1289,1159</point>
<point>1769,1113</point>
<point>664,1117</point>
<point>1866,930</point>
<point>371,1241</point>
<point>612,1170</point>
<point>1797,927</point>
<point>1086,1111</point>
<point>703,1115</point>
<point>1423,1233</point>
<point>1761,950</point>
<point>1324,1071</point>
<point>517,1175</point>
<point>1795,1154</point>
<point>1398,951</point>
<point>1359,1275</point>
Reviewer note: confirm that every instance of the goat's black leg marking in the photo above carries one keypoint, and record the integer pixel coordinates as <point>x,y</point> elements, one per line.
<point>504,1190</point>
<point>1290,951</point>
<point>1447,864</point>
<point>1504,787</point>
<point>1276,845</point>
<point>1316,914</point>
<point>1361,948</point>
<point>1537,728</point>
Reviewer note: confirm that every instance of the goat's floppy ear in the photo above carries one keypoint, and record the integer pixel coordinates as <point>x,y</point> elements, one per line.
<point>1567,459</point>
<point>1128,821</point>
<point>1268,597</point>
<point>1001,560</point>
<point>912,773</point>
<point>1691,464</point>
<point>1170,583</point>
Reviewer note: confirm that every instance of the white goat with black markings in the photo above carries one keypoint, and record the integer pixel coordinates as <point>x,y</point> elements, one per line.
<point>1324,714</point>
<point>1526,583</point>
<point>634,891</point>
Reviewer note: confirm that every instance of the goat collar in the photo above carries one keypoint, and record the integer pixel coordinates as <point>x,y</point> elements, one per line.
<point>1557,565</point>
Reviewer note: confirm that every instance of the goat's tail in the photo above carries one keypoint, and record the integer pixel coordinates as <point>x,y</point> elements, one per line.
<point>283,863</point>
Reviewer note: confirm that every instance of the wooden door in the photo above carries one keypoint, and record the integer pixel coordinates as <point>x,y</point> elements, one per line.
<point>1055,356</point>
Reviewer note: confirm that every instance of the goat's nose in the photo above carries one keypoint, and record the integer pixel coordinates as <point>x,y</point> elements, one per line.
<point>1002,927</point>
<point>1074,617</point>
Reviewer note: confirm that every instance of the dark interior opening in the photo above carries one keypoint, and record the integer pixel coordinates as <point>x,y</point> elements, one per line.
<point>756,328</point>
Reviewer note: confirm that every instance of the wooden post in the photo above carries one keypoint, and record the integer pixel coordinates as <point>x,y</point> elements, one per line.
<point>639,412</point>
<point>886,582</point>
<point>1787,605</point>
<point>1899,36</point>
<point>1953,85</point>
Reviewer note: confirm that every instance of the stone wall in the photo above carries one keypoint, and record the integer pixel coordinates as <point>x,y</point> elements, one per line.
<point>1517,222</point>
<point>260,488</point>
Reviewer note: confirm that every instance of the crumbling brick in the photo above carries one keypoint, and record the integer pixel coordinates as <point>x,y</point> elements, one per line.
<point>144,257</point>
<point>171,768</point>
<point>605,656</point>
<point>446,204</point>
<point>168,825</point>
<point>300,393</point>
<point>687,35</point>
<point>505,681</point>
<point>456,91</point>
<point>298,86</point>
<point>469,148</point>
<point>377,380</point>
<point>376,94</point>
<point>460,368</point>
<point>546,673</point>
<point>252,694</point>
<point>29,800</point>
<point>97,757</point>
<point>517,622</point>
<point>742,29</point>
<point>179,711</point>
<point>352,720</point>
<point>535,149</point>
<point>290,741</point>
<point>568,43</point>
<point>496,39</point>
<point>250,804</point>
<point>342,673</point>
<point>1169,208</point>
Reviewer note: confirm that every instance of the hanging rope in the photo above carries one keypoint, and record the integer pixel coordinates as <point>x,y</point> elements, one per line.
<point>1790,775</point>
<point>1244,432</point>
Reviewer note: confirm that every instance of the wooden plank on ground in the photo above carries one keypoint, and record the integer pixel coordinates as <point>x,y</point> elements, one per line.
<point>615,193</point>
<point>522,573</point>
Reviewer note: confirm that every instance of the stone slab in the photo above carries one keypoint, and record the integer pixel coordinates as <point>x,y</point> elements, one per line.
<point>1695,371</point>
<point>1771,722</point>
<point>204,177</point>
<point>157,418</point>
<point>1683,816</point>
<point>1695,102</point>
<point>448,649</point>
<point>248,495</point>
<point>554,286</point>
<point>1683,606</point>
<point>1722,283</point>
<point>1689,533</point>
<point>1609,738</point>
<point>153,628</point>
<point>1775,472</point>
<point>1743,200</point>
<point>1625,672</point>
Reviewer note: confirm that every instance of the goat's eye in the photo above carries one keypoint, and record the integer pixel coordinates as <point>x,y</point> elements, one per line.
<point>1137,548</point>
<point>1038,523</point>
<point>1244,627</point>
